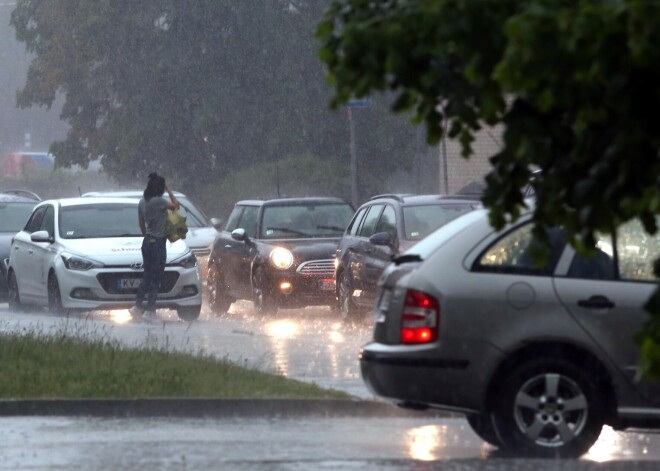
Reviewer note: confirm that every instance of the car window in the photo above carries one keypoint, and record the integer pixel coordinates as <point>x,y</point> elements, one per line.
<point>387,222</point>
<point>636,251</point>
<point>420,221</point>
<point>34,223</point>
<point>305,220</point>
<point>248,220</point>
<point>195,217</point>
<point>516,252</point>
<point>596,266</point>
<point>234,217</point>
<point>13,216</point>
<point>370,220</point>
<point>355,223</point>
<point>92,221</point>
<point>48,221</point>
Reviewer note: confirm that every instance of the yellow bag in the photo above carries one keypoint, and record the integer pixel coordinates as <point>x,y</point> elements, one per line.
<point>175,226</point>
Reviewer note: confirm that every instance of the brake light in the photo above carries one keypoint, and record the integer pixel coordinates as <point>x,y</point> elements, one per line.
<point>420,319</point>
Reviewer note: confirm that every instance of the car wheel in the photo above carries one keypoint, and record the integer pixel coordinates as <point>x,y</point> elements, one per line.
<point>549,408</point>
<point>262,299</point>
<point>216,291</point>
<point>482,425</point>
<point>13,296</point>
<point>54,295</point>
<point>348,311</point>
<point>189,313</point>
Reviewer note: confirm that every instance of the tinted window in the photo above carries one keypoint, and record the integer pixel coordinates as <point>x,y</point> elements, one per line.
<point>355,223</point>
<point>234,217</point>
<point>48,222</point>
<point>370,220</point>
<point>420,221</point>
<point>305,220</point>
<point>518,251</point>
<point>249,220</point>
<point>34,223</point>
<point>596,266</point>
<point>13,216</point>
<point>99,220</point>
<point>387,222</point>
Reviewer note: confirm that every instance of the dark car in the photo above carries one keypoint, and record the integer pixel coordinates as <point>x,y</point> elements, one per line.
<point>277,253</point>
<point>382,228</point>
<point>15,209</point>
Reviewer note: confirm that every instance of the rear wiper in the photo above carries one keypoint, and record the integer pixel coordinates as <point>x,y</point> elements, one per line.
<point>406,258</point>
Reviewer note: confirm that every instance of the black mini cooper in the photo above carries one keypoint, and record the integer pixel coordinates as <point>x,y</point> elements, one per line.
<point>279,253</point>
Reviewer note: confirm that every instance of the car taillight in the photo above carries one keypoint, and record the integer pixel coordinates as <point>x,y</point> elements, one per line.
<point>420,319</point>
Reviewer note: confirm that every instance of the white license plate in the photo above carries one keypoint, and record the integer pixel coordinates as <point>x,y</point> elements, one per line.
<point>327,284</point>
<point>128,283</point>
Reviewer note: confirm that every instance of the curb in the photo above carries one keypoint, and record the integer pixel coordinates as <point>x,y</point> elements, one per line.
<point>207,407</point>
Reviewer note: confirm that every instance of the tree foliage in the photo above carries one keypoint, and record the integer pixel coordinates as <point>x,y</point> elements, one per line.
<point>195,89</point>
<point>576,84</point>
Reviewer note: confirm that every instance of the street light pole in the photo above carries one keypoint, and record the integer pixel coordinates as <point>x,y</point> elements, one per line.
<point>353,165</point>
<point>443,149</point>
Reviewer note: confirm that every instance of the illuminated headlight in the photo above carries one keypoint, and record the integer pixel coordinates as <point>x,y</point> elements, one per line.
<point>187,261</point>
<point>281,258</point>
<point>78,263</point>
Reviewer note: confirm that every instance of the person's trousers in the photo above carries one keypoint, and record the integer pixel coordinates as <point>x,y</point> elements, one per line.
<point>153,258</point>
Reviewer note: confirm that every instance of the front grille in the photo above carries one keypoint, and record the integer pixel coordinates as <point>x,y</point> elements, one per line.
<point>317,267</point>
<point>110,282</point>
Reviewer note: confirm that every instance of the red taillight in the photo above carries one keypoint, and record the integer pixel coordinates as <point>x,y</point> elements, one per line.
<point>420,319</point>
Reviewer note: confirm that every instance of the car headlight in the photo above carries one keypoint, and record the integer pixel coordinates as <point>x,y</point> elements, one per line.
<point>187,261</point>
<point>73,262</point>
<point>281,258</point>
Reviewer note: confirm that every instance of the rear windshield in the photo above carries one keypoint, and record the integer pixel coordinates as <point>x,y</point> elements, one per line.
<point>92,221</point>
<point>420,221</point>
<point>305,220</point>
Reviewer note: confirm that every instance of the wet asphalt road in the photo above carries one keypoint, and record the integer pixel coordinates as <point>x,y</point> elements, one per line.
<point>310,345</point>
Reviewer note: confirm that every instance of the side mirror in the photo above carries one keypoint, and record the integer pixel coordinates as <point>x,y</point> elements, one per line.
<point>380,238</point>
<point>41,236</point>
<point>239,234</point>
<point>217,223</point>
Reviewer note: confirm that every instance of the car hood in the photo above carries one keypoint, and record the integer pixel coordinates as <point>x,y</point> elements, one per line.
<point>200,237</point>
<point>309,249</point>
<point>117,250</point>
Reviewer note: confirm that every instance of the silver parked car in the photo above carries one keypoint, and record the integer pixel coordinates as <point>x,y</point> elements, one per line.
<point>539,356</point>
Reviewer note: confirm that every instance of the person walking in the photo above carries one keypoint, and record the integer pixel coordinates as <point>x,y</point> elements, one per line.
<point>152,215</point>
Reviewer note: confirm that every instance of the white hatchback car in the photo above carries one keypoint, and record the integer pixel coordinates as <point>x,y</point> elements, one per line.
<point>85,253</point>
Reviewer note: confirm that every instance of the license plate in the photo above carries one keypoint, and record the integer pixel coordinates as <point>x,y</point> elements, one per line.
<point>128,283</point>
<point>327,284</point>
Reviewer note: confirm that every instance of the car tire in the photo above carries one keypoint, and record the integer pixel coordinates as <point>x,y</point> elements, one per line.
<point>54,295</point>
<point>348,310</point>
<point>549,408</point>
<point>189,313</point>
<point>263,301</point>
<point>13,296</point>
<point>216,291</point>
<point>482,425</point>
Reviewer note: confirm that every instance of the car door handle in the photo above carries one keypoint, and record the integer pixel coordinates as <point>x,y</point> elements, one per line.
<point>596,302</point>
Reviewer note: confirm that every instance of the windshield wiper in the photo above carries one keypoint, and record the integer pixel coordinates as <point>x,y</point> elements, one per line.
<point>332,228</point>
<point>406,258</point>
<point>287,230</point>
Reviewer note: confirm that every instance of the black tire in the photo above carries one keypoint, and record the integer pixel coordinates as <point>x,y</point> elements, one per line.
<point>549,408</point>
<point>189,313</point>
<point>482,425</point>
<point>216,291</point>
<point>348,310</point>
<point>54,295</point>
<point>263,301</point>
<point>13,296</point>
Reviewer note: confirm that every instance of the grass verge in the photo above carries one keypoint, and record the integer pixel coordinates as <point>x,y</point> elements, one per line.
<point>40,366</point>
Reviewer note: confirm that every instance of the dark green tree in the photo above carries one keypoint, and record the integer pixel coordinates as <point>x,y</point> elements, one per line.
<point>576,84</point>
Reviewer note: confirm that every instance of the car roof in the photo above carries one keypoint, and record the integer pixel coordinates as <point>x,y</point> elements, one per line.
<point>293,201</point>
<point>18,196</point>
<point>81,201</point>
<point>411,199</point>
<point>121,194</point>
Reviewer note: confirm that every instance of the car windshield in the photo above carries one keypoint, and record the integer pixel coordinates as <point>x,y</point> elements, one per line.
<point>13,216</point>
<point>92,221</point>
<point>420,221</point>
<point>195,217</point>
<point>305,220</point>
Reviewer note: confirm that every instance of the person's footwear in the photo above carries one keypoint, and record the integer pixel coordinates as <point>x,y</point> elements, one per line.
<point>136,312</point>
